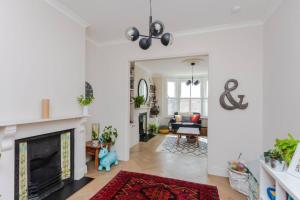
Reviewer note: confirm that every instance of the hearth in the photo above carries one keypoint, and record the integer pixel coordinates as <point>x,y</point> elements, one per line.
<point>44,164</point>
<point>145,136</point>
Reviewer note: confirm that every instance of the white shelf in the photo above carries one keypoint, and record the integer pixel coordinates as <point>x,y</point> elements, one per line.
<point>284,183</point>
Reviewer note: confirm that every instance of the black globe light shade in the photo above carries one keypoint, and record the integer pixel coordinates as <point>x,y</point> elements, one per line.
<point>196,82</point>
<point>145,43</point>
<point>157,28</point>
<point>167,39</point>
<point>188,82</point>
<point>132,34</point>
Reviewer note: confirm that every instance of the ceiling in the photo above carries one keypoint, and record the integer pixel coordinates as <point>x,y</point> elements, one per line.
<point>109,19</point>
<point>175,67</point>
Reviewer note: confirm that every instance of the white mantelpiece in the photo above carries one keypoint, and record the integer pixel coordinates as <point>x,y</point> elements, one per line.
<point>11,131</point>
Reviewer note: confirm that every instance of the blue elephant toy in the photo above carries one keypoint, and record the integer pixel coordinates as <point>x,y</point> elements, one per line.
<point>107,159</point>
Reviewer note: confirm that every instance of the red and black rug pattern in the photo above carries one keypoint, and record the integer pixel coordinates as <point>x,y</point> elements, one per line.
<point>137,186</point>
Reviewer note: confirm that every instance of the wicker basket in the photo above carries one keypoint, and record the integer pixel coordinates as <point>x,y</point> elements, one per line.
<point>239,181</point>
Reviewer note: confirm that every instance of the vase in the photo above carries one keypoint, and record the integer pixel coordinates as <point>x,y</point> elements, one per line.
<point>277,165</point>
<point>45,108</point>
<point>85,110</point>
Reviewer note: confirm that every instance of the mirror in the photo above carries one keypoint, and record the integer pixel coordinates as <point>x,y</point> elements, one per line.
<point>143,89</point>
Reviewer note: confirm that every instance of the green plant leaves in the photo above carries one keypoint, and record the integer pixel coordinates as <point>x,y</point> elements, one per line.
<point>109,135</point>
<point>287,147</point>
<point>138,100</point>
<point>85,101</point>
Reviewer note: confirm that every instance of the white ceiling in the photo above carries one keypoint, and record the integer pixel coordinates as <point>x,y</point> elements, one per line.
<point>175,67</point>
<point>110,18</point>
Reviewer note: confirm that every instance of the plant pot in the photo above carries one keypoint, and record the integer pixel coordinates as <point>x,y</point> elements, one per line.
<point>267,160</point>
<point>277,165</point>
<point>85,110</point>
<point>95,143</point>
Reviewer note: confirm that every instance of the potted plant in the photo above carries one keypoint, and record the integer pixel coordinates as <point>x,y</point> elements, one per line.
<point>138,101</point>
<point>277,163</point>
<point>288,147</point>
<point>108,137</point>
<point>267,156</point>
<point>85,102</point>
<point>152,128</point>
<point>95,138</point>
<point>95,134</point>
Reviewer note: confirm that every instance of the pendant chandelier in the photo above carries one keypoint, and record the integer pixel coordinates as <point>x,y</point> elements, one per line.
<point>156,31</point>
<point>192,81</point>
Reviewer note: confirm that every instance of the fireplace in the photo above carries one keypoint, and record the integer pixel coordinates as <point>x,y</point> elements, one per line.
<point>44,164</point>
<point>143,127</point>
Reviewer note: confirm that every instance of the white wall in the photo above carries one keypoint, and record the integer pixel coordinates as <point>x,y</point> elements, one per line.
<point>42,55</point>
<point>235,53</point>
<point>281,73</point>
<point>92,75</point>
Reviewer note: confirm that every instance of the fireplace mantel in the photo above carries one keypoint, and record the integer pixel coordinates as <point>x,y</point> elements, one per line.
<point>33,121</point>
<point>15,130</point>
<point>9,129</point>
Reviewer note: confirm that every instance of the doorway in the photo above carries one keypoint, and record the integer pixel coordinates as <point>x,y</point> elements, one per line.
<point>177,99</point>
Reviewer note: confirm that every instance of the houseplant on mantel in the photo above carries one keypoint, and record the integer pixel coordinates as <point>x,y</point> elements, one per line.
<point>108,137</point>
<point>138,101</point>
<point>85,102</point>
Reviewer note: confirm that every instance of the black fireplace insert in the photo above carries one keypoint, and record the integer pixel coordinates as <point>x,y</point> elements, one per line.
<point>44,170</point>
<point>145,136</point>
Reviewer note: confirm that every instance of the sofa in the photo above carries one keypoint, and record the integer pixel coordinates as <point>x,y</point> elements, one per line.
<point>189,121</point>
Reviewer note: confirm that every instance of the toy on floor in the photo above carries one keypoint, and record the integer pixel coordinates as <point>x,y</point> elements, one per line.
<point>238,166</point>
<point>107,159</point>
<point>271,193</point>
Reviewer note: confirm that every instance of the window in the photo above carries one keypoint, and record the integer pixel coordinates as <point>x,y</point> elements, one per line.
<point>187,99</point>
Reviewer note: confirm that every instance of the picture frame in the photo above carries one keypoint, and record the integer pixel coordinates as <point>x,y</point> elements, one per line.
<point>294,168</point>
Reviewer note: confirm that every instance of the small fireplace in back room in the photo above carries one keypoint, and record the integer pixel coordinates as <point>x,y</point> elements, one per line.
<point>143,128</point>
<point>43,164</point>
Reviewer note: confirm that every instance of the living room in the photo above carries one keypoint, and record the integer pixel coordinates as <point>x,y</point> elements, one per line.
<point>51,48</point>
<point>170,88</point>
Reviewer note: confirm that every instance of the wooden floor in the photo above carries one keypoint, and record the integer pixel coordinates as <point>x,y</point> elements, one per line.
<point>145,159</point>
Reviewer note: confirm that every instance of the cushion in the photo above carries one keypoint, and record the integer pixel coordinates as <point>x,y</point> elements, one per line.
<point>186,118</point>
<point>195,118</point>
<point>178,118</point>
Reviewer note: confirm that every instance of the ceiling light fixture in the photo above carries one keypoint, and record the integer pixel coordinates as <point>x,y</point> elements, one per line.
<point>193,82</point>
<point>156,30</point>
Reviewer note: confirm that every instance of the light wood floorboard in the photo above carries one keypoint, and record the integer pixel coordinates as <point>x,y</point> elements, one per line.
<point>144,159</point>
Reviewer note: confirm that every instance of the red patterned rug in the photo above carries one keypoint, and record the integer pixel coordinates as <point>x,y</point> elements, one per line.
<point>136,186</point>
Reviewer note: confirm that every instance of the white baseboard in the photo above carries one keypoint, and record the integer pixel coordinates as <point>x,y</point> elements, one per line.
<point>218,171</point>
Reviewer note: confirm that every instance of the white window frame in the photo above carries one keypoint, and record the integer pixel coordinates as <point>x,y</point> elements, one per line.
<point>203,97</point>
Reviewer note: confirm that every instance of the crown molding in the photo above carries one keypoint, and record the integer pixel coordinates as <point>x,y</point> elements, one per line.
<point>67,12</point>
<point>186,33</point>
<point>108,43</point>
<point>218,28</point>
<point>272,9</point>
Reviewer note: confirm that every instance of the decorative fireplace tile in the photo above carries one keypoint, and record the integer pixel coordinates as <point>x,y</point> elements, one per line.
<point>23,193</point>
<point>66,155</point>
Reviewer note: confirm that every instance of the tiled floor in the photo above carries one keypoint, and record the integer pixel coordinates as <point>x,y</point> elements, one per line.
<point>145,159</point>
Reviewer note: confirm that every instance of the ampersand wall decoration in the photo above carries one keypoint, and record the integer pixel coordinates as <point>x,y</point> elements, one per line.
<point>234,104</point>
